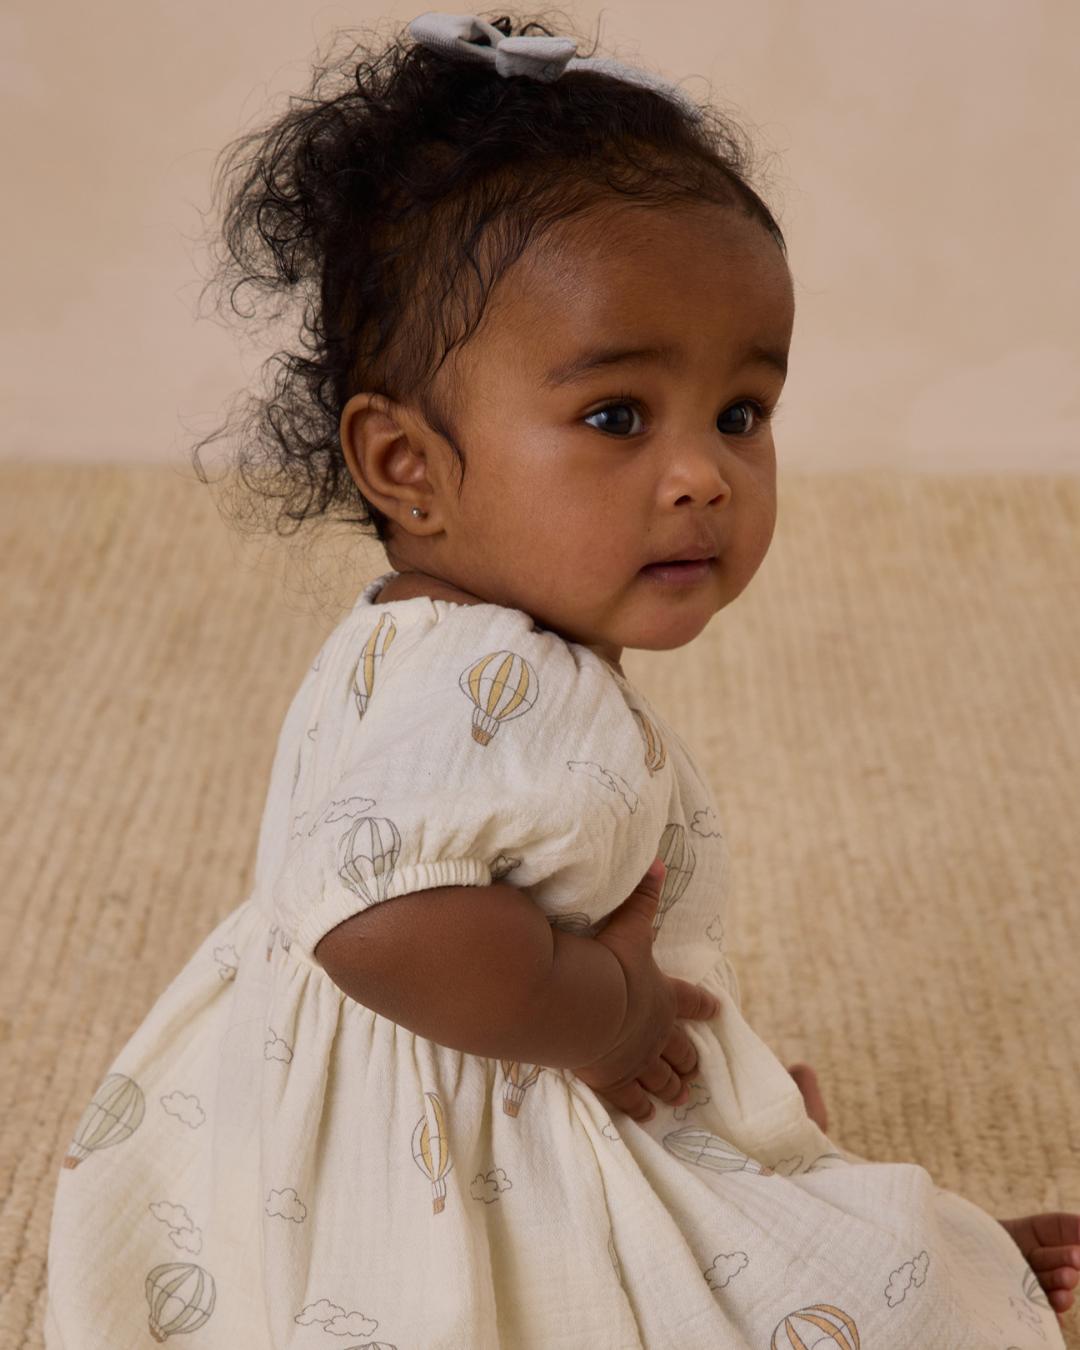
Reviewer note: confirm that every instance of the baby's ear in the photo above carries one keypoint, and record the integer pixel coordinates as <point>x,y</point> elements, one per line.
<point>386,447</point>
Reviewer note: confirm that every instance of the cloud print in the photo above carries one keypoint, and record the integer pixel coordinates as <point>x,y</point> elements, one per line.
<point>910,1275</point>
<point>488,1186</point>
<point>706,823</point>
<point>826,1160</point>
<point>184,1108</point>
<point>502,866</point>
<point>277,1048</point>
<point>715,931</point>
<point>724,1269</point>
<point>182,1231</point>
<point>323,1311</point>
<point>348,809</point>
<point>286,1204</point>
<point>187,1240</point>
<point>176,1216</point>
<point>698,1097</point>
<point>351,1324</point>
<point>611,781</point>
<point>228,960</point>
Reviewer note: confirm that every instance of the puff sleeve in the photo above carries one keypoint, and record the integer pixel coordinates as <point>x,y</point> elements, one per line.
<point>453,745</point>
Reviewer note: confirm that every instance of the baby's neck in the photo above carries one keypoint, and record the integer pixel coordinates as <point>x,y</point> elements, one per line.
<point>409,585</point>
<point>413,585</point>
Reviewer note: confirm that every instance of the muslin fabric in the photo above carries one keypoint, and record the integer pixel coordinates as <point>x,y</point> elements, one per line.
<point>270,1164</point>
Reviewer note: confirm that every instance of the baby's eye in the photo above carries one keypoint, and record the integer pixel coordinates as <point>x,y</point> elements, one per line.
<point>740,419</point>
<point>620,419</point>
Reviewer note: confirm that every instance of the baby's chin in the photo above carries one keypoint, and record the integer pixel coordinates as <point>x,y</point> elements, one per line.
<point>651,631</point>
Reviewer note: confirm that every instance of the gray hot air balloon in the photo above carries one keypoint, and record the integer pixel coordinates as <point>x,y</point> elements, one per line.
<point>369,852</point>
<point>115,1112</point>
<point>707,1150</point>
<point>181,1299</point>
<point>678,857</point>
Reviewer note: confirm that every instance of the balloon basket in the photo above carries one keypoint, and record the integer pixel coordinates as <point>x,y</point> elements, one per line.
<point>511,1107</point>
<point>479,734</point>
<point>69,1161</point>
<point>438,1204</point>
<point>157,1335</point>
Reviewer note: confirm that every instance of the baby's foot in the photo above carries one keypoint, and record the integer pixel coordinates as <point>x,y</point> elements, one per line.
<point>807,1083</point>
<point>1050,1244</point>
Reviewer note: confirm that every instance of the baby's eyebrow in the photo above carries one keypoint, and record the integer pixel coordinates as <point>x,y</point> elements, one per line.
<point>601,358</point>
<point>765,356</point>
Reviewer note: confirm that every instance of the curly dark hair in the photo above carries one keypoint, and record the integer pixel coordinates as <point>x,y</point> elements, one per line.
<point>383,207</point>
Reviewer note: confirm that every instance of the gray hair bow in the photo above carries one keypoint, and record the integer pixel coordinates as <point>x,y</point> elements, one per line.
<point>467,38</point>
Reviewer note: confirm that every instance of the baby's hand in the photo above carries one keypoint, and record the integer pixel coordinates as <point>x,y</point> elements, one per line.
<point>652,1054</point>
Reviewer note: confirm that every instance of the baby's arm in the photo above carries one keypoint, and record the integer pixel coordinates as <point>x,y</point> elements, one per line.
<point>479,969</point>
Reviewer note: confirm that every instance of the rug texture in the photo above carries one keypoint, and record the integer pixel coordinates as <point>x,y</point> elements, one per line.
<point>890,718</point>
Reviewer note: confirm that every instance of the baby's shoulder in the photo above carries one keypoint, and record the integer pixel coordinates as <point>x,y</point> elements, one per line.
<point>423,649</point>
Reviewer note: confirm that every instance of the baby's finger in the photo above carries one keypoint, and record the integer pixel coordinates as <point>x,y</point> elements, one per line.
<point>1050,1258</point>
<point>662,1081</point>
<point>680,1052</point>
<point>634,917</point>
<point>632,1100</point>
<point>1063,1278</point>
<point>694,1002</point>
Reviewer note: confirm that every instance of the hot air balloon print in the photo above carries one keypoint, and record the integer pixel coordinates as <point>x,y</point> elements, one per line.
<point>706,1150</point>
<point>181,1299</point>
<point>369,852</point>
<point>821,1327</point>
<point>431,1149</point>
<point>1033,1290</point>
<point>376,647</point>
<point>519,1078</point>
<point>502,686</point>
<point>678,857</point>
<point>114,1114</point>
<point>655,750</point>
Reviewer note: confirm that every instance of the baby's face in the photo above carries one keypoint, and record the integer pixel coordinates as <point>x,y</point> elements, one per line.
<point>613,412</point>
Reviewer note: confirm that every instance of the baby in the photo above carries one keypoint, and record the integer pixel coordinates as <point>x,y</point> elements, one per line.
<point>468,1068</point>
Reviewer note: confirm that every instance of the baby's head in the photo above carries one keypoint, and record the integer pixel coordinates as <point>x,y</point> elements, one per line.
<point>545,325</point>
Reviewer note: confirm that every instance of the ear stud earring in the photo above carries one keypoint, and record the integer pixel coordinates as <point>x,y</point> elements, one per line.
<point>417,512</point>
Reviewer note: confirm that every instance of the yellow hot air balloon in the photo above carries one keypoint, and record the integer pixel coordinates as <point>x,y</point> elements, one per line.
<point>707,1150</point>
<point>376,647</point>
<point>519,1078</point>
<point>181,1298</point>
<point>821,1327</point>
<point>369,852</point>
<point>115,1112</point>
<point>678,857</point>
<point>431,1149</point>
<point>655,750</point>
<point>502,686</point>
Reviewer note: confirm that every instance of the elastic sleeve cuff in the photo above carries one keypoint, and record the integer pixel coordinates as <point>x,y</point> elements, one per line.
<point>343,903</point>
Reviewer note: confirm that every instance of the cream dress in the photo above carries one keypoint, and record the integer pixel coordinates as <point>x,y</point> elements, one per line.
<point>271,1165</point>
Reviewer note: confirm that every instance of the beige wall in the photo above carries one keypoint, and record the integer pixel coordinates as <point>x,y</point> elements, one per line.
<point>929,189</point>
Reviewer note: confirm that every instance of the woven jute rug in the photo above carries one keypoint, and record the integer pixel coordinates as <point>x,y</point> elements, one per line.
<point>890,718</point>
